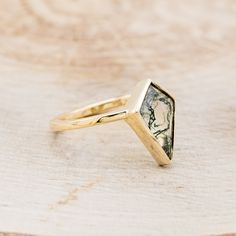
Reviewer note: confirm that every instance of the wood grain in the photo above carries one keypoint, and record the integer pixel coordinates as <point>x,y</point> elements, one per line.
<point>58,55</point>
<point>13,234</point>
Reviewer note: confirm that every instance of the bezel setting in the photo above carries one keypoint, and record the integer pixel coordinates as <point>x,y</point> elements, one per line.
<point>137,122</point>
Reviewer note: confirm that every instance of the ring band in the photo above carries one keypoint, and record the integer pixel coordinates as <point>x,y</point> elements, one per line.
<point>91,115</point>
<point>149,111</point>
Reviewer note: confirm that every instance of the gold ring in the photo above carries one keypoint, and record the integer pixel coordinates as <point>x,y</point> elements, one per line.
<point>149,110</point>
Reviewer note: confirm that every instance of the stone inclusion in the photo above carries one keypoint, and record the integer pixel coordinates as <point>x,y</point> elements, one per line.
<point>157,111</point>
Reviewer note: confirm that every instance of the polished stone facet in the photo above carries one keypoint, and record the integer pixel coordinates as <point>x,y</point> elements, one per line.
<point>157,111</point>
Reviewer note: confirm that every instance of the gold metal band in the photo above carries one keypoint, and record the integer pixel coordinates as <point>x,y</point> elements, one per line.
<point>91,115</point>
<point>130,108</point>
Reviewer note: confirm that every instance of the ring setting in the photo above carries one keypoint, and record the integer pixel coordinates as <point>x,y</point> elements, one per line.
<point>149,110</point>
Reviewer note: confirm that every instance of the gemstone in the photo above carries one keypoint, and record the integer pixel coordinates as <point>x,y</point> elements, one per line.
<point>157,111</point>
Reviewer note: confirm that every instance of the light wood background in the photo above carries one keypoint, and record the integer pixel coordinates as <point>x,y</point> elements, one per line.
<point>59,55</point>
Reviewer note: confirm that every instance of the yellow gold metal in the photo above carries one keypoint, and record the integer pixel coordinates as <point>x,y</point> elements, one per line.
<point>103,112</point>
<point>91,115</point>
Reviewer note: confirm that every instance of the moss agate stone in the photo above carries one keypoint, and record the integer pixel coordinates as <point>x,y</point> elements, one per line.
<point>157,111</point>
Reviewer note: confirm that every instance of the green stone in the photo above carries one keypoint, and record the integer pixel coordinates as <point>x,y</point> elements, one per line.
<point>157,111</point>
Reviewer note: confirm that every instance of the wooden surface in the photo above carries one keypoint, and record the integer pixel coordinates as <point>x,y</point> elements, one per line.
<point>59,55</point>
